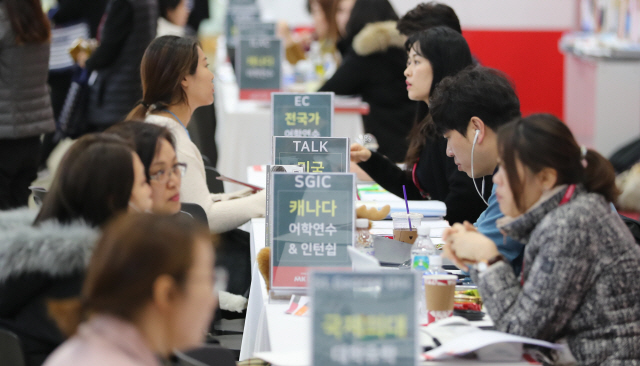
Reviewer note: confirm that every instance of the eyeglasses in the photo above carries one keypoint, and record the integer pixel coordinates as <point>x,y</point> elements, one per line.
<point>162,176</point>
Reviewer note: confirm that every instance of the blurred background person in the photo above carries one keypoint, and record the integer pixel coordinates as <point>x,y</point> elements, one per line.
<point>174,15</point>
<point>25,104</point>
<point>141,316</point>
<point>325,32</point>
<point>68,12</point>
<point>373,61</point>
<point>100,176</point>
<point>129,26</point>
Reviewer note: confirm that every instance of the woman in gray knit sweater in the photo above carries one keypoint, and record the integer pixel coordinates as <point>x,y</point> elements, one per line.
<point>580,278</point>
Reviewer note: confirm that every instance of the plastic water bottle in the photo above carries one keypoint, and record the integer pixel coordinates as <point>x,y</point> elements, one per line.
<point>435,265</point>
<point>422,250</point>
<point>364,239</point>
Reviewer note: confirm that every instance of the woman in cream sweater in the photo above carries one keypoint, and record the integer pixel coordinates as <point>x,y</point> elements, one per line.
<point>175,81</point>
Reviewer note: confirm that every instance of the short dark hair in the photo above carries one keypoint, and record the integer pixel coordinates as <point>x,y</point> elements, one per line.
<point>165,5</point>
<point>368,11</point>
<point>543,141</point>
<point>474,92</point>
<point>145,137</point>
<point>427,15</point>
<point>93,182</point>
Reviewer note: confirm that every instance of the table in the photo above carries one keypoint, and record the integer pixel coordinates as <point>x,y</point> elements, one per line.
<point>272,334</point>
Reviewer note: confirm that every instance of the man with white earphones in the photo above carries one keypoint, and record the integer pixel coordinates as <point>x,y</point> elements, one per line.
<point>468,109</point>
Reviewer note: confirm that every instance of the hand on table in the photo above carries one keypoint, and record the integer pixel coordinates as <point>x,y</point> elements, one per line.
<point>465,245</point>
<point>359,153</point>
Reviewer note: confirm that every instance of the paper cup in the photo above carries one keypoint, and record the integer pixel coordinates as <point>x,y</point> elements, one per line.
<point>439,291</point>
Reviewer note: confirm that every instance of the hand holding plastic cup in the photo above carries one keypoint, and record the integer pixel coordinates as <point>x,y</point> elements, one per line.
<point>439,292</point>
<point>401,229</point>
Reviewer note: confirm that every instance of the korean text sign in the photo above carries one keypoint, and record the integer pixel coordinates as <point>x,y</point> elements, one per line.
<point>258,63</point>
<point>311,224</point>
<point>302,115</point>
<point>316,154</point>
<point>239,12</point>
<point>365,319</point>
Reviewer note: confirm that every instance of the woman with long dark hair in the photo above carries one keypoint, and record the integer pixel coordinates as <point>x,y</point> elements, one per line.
<point>372,62</point>
<point>581,263</point>
<point>99,177</point>
<point>175,81</point>
<point>25,105</point>
<point>430,174</point>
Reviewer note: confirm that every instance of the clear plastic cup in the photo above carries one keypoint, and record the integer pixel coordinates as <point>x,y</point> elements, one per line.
<point>401,229</point>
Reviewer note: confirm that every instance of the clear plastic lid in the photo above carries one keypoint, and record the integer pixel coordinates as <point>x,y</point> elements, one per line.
<point>362,223</point>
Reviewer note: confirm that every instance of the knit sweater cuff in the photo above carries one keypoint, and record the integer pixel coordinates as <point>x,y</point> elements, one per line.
<point>495,279</point>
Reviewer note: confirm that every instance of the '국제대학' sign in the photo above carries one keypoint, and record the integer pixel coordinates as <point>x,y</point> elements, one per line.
<point>302,115</point>
<point>311,224</point>
<point>367,319</point>
<point>258,63</point>
<point>316,154</point>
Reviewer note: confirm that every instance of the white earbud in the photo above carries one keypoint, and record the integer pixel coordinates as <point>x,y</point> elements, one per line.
<point>475,140</point>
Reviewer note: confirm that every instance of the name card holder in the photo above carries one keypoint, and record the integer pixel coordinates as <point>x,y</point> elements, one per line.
<point>310,224</point>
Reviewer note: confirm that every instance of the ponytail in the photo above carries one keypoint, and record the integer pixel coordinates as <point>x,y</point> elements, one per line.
<point>139,112</point>
<point>600,176</point>
<point>542,141</point>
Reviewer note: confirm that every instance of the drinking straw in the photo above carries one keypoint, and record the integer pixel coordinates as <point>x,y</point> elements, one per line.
<point>404,190</point>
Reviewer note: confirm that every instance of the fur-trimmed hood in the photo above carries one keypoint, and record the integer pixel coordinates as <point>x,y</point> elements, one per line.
<point>49,248</point>
<point>378,37</point>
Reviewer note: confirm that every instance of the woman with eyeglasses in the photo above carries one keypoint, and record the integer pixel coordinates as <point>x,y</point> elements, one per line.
<point>44,257</point>
<point>156,147</point>
<point>149,293</point>
<point>175,81</point>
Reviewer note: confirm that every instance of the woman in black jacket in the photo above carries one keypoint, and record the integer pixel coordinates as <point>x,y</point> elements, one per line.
<point>430,174</point>
<point>373,60</point>
<point>99,177</point>
<point>129,26</point>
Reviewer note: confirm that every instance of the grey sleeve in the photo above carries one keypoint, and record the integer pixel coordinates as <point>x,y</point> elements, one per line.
<point>552,292</point>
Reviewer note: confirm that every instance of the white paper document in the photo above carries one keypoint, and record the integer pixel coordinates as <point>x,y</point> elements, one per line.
<point>475,340</point>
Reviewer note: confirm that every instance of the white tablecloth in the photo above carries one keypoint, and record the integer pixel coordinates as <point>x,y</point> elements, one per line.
<point>269,332</point>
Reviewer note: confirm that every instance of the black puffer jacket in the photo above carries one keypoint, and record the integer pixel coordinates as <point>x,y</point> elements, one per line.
<point>129,27</point>
<point>374,68</point>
